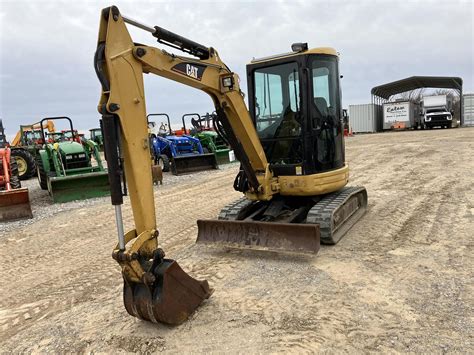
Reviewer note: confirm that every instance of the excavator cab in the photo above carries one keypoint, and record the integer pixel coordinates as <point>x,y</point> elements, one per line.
<point>298,121</point>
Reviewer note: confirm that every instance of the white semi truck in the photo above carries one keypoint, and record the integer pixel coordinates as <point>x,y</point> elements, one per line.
<point>437,111</point>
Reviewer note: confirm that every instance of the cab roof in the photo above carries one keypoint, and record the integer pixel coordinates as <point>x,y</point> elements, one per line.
<point>317,50</point>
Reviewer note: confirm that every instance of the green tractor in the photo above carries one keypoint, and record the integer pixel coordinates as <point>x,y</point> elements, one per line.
<point>96,136</point>
<point>65,167</point>
<point>211,141</point>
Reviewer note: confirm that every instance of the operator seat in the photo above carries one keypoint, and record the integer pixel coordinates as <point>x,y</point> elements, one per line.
<point>322,106</point>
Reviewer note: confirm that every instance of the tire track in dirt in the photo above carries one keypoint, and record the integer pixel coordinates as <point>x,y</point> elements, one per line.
<point>98,277</point>
<point>356,297</point>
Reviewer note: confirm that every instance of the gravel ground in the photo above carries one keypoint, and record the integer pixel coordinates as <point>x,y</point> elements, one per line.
<point>43,207</point>
<point>400,281</point>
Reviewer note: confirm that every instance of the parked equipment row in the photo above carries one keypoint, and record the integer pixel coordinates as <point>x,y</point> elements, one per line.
<point>69,166</point>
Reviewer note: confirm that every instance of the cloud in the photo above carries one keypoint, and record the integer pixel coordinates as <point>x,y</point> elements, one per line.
<point>47,47</point>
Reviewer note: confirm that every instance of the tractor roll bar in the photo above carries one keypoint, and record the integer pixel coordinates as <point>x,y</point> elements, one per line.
<point>161,114</point>
<point>189,115</point>
<point>73,134</point>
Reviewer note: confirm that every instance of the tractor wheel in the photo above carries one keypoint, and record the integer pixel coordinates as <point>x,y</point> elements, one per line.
<point>42,178</point>
<point>14,178</point>
<point>164,163</point>
<point>26,163</point>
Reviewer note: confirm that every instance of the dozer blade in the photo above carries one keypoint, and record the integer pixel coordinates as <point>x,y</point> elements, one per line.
<point>15,204</point>
<point>79,187</point>
<point>173,297</point>
<point>191,163</point>
<point>289,237</point>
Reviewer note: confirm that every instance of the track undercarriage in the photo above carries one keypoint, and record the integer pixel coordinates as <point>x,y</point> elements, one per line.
<point>295,224</point>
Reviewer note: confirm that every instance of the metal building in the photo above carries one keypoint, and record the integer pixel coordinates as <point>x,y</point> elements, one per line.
<point>383,93</point>
<point>468,109</point>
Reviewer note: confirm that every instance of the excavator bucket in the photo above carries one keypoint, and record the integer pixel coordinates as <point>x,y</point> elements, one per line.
<point>288,237</point>
<point>79,187</point>
<point>15,204</point>
<point>173,297</point>
<point>191,163</point>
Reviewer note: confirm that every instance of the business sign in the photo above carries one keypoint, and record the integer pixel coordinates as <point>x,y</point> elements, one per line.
<point>396,112</point>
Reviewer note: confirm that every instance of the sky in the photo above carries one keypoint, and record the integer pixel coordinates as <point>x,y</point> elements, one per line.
<point>47,48</point>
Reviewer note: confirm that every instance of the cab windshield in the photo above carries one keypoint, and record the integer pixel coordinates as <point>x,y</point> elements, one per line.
<point>278,112</point>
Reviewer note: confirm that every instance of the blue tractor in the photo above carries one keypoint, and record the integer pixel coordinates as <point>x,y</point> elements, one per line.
<point>180,153</point>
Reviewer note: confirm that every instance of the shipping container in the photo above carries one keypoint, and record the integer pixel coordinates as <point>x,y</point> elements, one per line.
<point>365,118</point>
<point>468,109</point>
<point>398,115</point>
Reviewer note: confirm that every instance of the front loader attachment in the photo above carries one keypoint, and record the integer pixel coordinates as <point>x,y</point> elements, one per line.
<point>288,237</point>
<point>15,204</point>
<point>171,299</point>
<point>222,156</point>
<point>79,186</point>
<point>186,164</point>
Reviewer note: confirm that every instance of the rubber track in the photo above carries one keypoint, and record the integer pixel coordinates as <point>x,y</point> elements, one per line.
<point>231,211</point>
<point>322,212</point>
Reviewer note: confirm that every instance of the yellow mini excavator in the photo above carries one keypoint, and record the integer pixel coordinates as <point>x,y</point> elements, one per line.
<point>290,145</point>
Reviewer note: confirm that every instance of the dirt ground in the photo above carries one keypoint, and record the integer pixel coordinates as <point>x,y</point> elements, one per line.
<point>401,280</point>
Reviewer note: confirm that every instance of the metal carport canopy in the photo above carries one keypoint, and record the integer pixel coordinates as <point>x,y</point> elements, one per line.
<point>382,93</point>
<point>416,82</point>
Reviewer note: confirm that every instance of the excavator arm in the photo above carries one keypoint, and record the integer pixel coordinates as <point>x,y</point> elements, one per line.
<point>156,288</point>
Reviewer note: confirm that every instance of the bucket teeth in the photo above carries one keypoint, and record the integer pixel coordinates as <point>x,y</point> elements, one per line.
<point>171,299</point>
